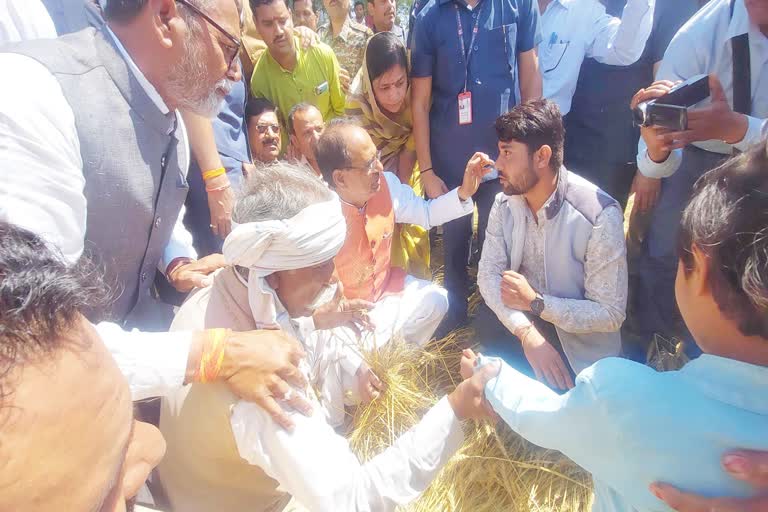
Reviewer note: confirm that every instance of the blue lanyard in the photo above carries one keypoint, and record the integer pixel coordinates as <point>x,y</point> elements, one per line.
<point>466,55</point>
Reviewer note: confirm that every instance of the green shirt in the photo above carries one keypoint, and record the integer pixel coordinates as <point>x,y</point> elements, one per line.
<point>314,80</point>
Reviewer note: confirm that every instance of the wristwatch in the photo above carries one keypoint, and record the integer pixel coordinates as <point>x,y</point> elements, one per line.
<point>537,305</point>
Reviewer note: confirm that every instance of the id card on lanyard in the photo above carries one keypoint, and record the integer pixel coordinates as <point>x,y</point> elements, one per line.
<point>465,97</point>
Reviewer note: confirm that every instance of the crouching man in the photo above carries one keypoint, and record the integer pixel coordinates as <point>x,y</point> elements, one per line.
<point>226,455</point>
<point>373,201</point>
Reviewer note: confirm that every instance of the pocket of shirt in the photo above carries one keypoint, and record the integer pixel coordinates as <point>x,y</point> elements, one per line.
<point>552,55</point>
<point>504,39</point>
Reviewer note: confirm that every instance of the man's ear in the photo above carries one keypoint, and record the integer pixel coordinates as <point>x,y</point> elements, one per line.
<point>165,20</point>
<point>542,157</point>
<point>340,179</point>
<point>698,276</point>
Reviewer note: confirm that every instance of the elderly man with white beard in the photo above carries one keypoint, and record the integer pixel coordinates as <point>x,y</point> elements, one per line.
<point>225,455</point>
<point>91,120</point>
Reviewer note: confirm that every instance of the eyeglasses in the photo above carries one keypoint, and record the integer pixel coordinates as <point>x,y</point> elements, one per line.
<point>370,167</point>
<point>238,44</point>
<point>262,128</point>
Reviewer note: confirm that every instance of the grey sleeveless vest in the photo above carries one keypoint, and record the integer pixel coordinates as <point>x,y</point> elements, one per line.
<point>133,164</point>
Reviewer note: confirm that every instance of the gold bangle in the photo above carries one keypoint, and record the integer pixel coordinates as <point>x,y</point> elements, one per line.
<point>214,173</point>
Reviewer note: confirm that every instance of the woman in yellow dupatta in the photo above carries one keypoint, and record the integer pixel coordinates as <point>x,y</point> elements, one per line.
<point>380,97</point>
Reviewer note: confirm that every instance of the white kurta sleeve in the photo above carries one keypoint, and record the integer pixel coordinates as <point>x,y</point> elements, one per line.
<point>620,42</point>
<point>494,261</point>
<point>316,466</point>
<point>153,363</point>
<point>412,209</point>
<point>22,20</point>
<point>42,172</point>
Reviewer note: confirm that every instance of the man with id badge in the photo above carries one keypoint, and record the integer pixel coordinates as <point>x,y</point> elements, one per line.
<point>287,74</point>
<point>469,57</point>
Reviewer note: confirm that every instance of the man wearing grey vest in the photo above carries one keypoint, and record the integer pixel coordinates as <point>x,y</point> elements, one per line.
<point>96,155</point>
<point>553,268</point>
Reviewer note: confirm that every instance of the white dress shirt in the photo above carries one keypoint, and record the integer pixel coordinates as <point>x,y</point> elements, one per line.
<point>702,46</point>
<point>21,20</point>
<point>317,467</point>
<point>575,29</point>
<point>42,186</point>
<point>153,363</point>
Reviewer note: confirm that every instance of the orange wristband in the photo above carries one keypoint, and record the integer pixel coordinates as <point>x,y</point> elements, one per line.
<point>213,356</point>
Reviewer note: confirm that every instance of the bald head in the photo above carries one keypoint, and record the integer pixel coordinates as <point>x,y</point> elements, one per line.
<point>334,146</point>
<point>349,161</point>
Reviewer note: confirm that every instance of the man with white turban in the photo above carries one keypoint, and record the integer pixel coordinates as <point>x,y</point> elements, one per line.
<point>226,455</point>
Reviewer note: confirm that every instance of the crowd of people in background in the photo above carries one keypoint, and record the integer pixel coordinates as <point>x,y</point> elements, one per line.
<point>210,208</point>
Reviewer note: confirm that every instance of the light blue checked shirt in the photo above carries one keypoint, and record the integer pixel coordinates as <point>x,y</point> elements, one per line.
<point>631,426</point>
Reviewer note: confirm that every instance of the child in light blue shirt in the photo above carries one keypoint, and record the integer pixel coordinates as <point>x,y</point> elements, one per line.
<point>631,426</point>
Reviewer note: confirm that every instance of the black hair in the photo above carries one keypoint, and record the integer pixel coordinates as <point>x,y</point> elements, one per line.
<point>727,219</point>
<point>123,11</point>
<point>332,152</point>
<point>358,2</point>
<point>311,5</point>
<point>297,109</point>
<point>385,50</point>
<point>255,4</point>
<point>41,296</point>
<point>257,106</point>
<point>535,124</point>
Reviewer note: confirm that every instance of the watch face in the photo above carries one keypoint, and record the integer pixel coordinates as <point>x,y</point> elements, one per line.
<point>537,306</point>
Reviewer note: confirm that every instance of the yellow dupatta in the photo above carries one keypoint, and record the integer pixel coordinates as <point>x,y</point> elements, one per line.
<point>410,250</point>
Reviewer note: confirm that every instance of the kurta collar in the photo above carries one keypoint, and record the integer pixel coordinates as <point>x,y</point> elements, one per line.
<point>729,381</point>
<point>555,202</point>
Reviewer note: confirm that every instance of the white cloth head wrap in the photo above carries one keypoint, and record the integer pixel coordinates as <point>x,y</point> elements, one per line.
<point>313,236</point>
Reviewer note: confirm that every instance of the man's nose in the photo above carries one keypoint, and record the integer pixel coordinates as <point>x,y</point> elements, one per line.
<point>235,71</point>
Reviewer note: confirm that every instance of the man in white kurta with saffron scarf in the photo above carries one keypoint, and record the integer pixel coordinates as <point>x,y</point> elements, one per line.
<point>225,455</point>
<point>373,203</point>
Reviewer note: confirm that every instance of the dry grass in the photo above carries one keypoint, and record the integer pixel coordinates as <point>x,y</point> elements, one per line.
<point>495,470</point>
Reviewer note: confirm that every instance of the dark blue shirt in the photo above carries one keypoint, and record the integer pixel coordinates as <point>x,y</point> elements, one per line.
<point>229,126</point>
<point>506,28</point>
<point>599,126</point>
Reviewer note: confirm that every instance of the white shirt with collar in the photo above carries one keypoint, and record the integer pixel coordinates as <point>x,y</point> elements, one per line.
<point>702,46</point>
<point>575,29</point>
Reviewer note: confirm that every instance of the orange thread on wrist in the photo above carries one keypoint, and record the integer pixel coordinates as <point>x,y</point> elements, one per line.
<point>213,356</point>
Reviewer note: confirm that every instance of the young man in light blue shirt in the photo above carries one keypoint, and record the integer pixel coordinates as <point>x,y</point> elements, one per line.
<point>631,426</point>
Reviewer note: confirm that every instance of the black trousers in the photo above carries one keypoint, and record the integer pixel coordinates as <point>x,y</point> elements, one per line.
<point>494,339</point>
<point>458,249</point>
